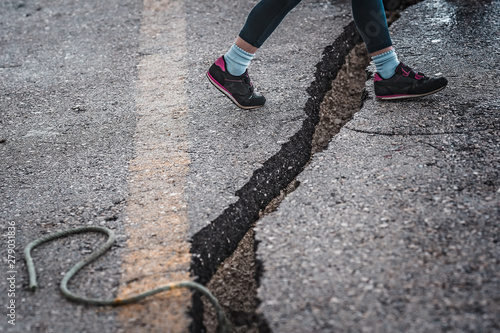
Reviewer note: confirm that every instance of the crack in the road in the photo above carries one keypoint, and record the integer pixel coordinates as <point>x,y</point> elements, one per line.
<point>486,128</point>
<point>270,185</point>
<point>209,249</point>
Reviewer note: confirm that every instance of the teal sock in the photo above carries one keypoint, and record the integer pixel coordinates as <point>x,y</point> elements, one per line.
<point>386,64</point>
<point>237,60</point>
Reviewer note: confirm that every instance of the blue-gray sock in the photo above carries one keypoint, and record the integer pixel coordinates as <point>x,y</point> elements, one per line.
<point>386,64</point>
<point>237,60</point>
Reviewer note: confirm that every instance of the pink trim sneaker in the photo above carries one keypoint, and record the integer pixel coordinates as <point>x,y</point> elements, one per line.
<point>406,83</point>
<point>239,89</point>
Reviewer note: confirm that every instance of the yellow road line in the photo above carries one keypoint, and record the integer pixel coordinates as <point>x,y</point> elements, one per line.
<point>156,224</point>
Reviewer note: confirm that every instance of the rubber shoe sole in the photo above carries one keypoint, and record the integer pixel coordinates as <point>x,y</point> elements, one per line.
<point>228,94</point>
<point>239,89</point>
<point>406,83</point>
<point>394,97</point>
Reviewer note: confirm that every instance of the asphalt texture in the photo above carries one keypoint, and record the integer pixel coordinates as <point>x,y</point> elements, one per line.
<point>393,228</point>
<point>73,126</point>
<point>67,117</point>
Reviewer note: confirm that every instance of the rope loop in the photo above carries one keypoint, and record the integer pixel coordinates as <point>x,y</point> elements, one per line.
<point>223,324</point>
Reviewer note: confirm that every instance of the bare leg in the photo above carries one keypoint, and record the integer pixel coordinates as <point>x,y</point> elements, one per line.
<point>384,50</point>
<point>245,46</point>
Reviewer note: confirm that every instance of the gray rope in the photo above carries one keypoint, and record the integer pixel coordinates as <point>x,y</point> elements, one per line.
<point>222,327</point>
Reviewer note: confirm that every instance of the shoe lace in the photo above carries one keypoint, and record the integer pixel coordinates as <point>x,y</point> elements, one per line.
<point>246,79</point>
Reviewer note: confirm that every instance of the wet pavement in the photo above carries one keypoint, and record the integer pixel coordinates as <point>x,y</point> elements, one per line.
<point>107,119</point>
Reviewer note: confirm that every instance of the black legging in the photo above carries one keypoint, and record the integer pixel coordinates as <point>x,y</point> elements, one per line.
<point>369,16</point>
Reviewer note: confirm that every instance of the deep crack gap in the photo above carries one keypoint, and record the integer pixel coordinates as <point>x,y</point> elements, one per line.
<point>325,118</point>
<point>236,281</point>
<point>270,184</point>
<point>208,249</point>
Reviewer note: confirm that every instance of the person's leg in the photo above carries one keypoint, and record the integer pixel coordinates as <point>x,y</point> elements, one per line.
<point>393,79</point>
<point>260,24</point>
<point>369,16</point>
<point>264,19</point>
<point>229,72</point>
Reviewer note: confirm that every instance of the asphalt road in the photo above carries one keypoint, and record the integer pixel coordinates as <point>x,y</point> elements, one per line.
<point>107,121</point>
<point>106,118</point>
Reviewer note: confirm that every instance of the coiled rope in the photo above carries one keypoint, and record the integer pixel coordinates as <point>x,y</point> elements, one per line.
<point>222,327</point>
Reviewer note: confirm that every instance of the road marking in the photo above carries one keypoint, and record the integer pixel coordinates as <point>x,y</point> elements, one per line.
<point>156,224</point>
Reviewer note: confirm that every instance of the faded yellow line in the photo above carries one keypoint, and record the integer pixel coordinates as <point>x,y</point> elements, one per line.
<point>156,224</point>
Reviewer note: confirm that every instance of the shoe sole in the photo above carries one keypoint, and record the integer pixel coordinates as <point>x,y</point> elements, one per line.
<point>228,94</point>
<point>393,97</point>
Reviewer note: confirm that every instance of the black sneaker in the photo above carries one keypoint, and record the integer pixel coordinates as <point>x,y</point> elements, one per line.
<point>407,83</point>
<point>238,88</point>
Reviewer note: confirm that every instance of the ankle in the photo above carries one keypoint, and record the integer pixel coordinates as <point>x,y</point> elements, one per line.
<point>237,60</point>
<point>386,63</point>
<point>245,46</point>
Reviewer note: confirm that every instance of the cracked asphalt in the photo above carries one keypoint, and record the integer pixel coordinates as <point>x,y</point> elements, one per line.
<point>395,227</point>
<point>106,118</point>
